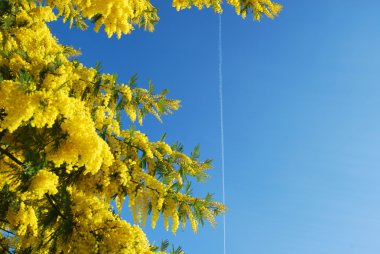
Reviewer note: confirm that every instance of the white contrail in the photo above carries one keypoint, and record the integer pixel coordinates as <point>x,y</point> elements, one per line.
<point>220,48</point>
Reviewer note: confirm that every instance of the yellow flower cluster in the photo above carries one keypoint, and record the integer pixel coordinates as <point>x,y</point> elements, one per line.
<point>117,16</point>
<point>83,146</point>
<point>186,4</point>
<point>43,182</point>
<point>24,221</point>
<point>20,106</point>
<point>120,16</point>
<point>242,7</point>
<point>95,221</point>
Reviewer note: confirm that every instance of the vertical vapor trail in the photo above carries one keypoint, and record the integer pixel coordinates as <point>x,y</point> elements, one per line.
<point>220,49</point>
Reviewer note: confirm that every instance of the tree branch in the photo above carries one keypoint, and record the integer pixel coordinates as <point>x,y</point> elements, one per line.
<point>55,206</point>
<point>9,232</point>
<point>10,156</point>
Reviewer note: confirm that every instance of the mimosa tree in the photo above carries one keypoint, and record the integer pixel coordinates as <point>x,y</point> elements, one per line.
<point>63,154</point>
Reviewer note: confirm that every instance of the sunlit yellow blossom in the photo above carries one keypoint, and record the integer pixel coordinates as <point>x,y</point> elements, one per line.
<point>44,182</point>
<point>24,220</point>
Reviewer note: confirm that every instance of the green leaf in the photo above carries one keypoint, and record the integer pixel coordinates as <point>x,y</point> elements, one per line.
<point>7,22</point>
<point>164,245</point>
<point>132,81</point>
<point>98,67</point>
<point>209,197</point>
<point>25,78</point>
<point>151,87</point>
<point>177,251</point>
<point>85,93</point>
<point>163,137</point>
<point>195,154</point>
<point>96,87</point>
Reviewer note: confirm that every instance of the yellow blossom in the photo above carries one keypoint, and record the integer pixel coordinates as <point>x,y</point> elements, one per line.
<point>44,182</point>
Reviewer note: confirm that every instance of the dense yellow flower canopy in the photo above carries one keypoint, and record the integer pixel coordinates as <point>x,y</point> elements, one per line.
<point>120,16</point>
<point>63,154</point>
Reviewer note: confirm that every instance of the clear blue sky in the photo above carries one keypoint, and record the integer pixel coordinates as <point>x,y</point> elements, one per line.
<point>302,119</point>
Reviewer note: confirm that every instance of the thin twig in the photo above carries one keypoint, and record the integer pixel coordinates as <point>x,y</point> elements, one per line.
<point>9,232</point>
<point>3,151</point>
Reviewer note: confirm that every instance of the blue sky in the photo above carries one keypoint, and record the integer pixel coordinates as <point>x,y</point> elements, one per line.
<point>302,119</point>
